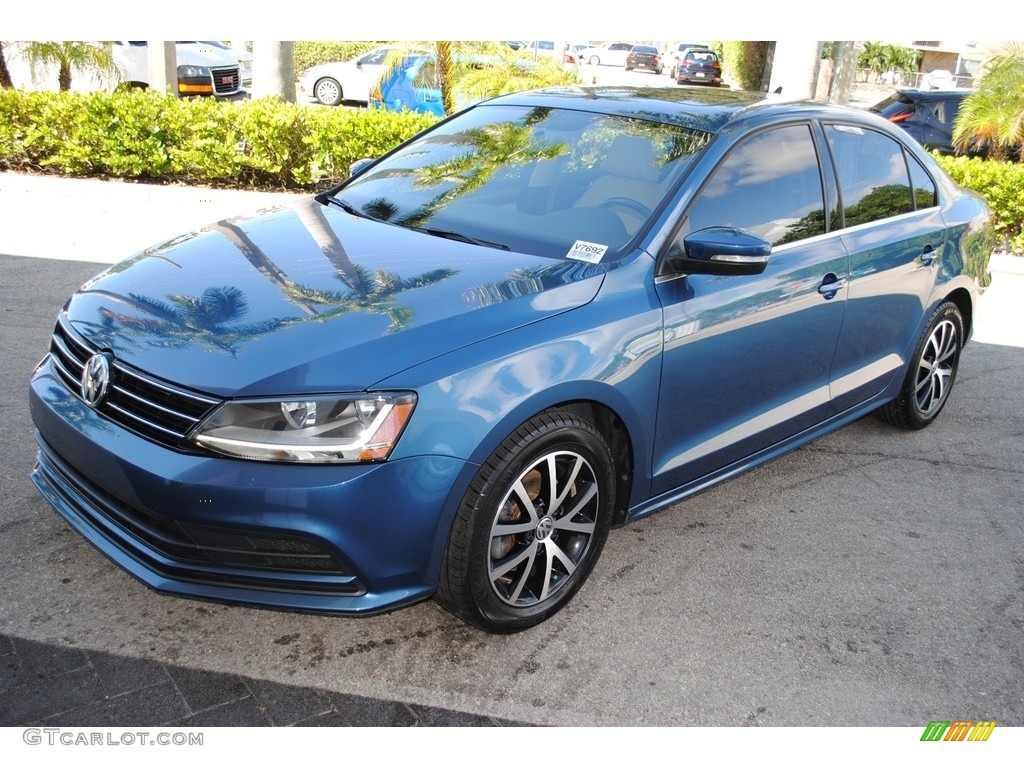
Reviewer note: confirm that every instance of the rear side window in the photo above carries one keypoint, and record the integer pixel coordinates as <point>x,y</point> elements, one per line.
<point>945,111</point>
<point>925,195</point>
<point>769,185</point>
<point>873,180</point>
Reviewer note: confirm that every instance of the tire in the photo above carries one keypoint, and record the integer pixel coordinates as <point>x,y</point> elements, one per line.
<point>932,372</point>
<point>512,562</point>
<point>328,92</point>
<point>594,60</point>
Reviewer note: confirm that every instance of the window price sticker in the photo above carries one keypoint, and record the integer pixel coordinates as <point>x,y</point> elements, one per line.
<point>583,251</point>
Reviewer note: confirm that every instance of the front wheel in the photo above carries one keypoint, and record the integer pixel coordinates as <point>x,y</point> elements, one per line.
<point>328,92</point>
<point>531,526</point>
<point>932,372</point>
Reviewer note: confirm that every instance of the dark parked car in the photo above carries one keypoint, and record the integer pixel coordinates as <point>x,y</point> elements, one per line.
<point>672,57</point>
<point>928,116</point>
<point>644,57</point>
<point>699,65</point>
<point>555,312</point>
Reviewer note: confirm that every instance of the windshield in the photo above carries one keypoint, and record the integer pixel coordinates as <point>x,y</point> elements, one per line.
<point>536,180</point>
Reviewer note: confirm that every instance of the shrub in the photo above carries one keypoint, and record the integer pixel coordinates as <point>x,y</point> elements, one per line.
<point>745,61</point>
<point>1002,186</point>
<point>149,136</point>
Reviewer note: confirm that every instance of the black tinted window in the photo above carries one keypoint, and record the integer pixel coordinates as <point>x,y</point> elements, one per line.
<point>873,180</point>
<point>769,185</point>
<point>897,105</point>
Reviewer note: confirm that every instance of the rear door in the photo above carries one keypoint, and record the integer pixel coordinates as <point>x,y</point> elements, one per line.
<point>895,235</point>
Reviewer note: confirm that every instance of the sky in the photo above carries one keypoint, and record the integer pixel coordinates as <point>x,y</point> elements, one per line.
<point>524,19</point>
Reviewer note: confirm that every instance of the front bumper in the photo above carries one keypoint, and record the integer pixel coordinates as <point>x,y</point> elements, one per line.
<point>337,538</point>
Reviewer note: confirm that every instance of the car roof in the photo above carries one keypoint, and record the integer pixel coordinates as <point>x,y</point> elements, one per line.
<point>696,108</point>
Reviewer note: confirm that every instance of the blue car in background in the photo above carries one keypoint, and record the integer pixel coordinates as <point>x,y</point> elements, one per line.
<point>555,312</point>
<point>410,85</point>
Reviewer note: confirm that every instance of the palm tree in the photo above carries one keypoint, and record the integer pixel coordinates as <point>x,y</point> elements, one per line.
<point>96,58</point>
<point>872,58</point>
<point>994,114</point>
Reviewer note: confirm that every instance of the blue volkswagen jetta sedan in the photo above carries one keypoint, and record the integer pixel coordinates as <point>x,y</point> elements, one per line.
<point>552,313</point>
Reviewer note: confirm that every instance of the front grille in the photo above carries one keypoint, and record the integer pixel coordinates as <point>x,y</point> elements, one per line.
<point>146,405</point>
<point>226,80</point>
<point>202,553</point>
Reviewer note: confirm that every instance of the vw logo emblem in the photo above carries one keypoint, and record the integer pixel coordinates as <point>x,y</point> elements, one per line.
<point>95,379</point>
<point>545,528</point>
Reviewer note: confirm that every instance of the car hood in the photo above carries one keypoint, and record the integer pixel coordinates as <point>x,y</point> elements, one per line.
<point>204,55</point>
<point>313,299</point>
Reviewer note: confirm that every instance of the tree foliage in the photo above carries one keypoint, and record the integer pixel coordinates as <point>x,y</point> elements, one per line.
<point>745,60</point>
<point>882,59</point>
<point>994,114</point>
<point>478,69</point>
<point>69,57</point>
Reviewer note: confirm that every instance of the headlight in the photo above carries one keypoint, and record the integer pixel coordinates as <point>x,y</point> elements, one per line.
<point>315,429</point>
<point>191,70</point>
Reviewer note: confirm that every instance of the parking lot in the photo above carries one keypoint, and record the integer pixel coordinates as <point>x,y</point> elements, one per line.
<point>872,578</point>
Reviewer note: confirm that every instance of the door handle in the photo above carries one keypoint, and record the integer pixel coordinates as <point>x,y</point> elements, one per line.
<point>830,288</point>
<point>929,255</point>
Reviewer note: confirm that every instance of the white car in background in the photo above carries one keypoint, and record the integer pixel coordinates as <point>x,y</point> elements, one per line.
<point>337,81</point>
<point>607,53</point>
<point>532,49</point>
<point>205,68</point>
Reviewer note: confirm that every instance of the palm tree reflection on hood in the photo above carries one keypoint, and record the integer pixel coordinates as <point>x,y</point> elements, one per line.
<point>181,321</point>
<point>212,320</point>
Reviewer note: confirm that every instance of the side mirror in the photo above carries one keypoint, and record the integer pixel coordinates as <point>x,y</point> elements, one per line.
<point>359,165</point>
<point>720,251</point>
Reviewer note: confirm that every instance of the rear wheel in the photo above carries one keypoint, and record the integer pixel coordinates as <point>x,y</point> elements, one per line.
<point>932,372</point>
<point>531,525</point>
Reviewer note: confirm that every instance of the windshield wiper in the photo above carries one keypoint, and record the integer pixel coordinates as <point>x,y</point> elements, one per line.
<point>325,199</point>
<point>448,234</point>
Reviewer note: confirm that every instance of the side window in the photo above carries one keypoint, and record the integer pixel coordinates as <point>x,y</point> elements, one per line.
<point>769,185</point>
<point>873,180</point>
<point>945,111</point>
<point>925,195</point>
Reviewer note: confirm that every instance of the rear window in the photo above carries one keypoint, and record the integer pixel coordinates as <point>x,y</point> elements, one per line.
<point>897,105</point>
<point>644,49</point>
<point>703,57</point>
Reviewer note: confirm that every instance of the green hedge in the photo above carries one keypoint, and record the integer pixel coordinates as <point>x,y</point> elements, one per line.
<point>1002,185</point>
<point>264,144</point>
<point>268,144</point>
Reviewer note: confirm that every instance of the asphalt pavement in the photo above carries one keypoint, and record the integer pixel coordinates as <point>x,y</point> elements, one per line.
<point>873,577</point>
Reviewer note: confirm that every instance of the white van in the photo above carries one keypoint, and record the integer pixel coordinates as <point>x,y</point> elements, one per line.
<point>205,67</point>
